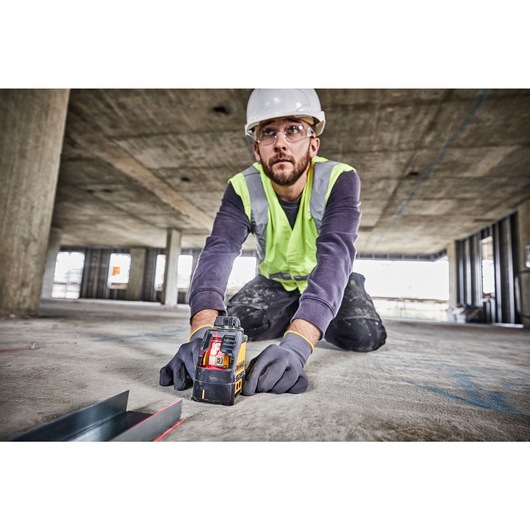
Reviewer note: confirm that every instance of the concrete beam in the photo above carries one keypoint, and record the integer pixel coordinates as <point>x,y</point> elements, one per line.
<point>93,141</point>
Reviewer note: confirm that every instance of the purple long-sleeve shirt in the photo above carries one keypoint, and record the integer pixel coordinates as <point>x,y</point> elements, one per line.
<point>335,254</point>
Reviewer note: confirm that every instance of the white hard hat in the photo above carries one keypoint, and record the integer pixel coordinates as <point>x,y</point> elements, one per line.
<point>269,103</point>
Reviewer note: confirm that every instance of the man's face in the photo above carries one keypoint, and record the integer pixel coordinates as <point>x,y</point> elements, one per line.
<point>285,162</point>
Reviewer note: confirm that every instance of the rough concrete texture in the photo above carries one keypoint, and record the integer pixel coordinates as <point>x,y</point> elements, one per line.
<point>430,382</point>
<point>32,126</point>
<point>435,164</point>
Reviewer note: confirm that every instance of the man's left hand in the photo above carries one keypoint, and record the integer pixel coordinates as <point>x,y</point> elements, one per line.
<point>279,368</point>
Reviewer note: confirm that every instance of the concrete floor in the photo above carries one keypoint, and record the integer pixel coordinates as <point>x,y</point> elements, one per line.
<point>430,382</point>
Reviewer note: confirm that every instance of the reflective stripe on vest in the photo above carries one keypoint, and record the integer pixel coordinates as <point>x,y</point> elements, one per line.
<point>259,208</point>
<point>286,276</point>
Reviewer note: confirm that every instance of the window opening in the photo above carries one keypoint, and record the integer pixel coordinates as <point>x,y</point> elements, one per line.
<point>119,267</point>
<point>68,275</point>
<point>488,268</point>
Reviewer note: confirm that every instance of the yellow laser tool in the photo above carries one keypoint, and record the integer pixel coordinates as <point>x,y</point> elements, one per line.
<point>220,370</point>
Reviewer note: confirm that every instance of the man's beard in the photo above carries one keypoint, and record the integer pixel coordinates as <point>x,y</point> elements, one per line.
<point>286,177</point>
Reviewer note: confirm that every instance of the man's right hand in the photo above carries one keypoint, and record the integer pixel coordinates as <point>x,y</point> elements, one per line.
<point>180,370</point>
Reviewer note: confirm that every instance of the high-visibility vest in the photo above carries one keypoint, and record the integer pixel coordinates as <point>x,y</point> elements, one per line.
<point>286,254</point>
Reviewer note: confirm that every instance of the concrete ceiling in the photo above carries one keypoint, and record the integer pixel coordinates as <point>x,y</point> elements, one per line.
<point>435,165</point>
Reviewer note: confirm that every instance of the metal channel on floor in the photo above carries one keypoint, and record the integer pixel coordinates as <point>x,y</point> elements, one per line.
<point>107,421</point>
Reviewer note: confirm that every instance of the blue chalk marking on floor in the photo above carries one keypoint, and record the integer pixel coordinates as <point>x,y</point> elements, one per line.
<point>493,400</point>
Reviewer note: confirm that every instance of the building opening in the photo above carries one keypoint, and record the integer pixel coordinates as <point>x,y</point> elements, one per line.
<point>68,275</point>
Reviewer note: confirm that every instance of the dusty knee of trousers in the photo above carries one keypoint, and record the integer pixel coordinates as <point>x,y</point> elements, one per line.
<point>253,320</point>
<point>357,334</point>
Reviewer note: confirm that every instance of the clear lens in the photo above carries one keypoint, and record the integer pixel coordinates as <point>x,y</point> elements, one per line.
<point>292,134</point>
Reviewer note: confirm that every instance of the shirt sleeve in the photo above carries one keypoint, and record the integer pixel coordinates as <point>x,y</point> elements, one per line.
<point>320,301</point>
<point>231,228</point>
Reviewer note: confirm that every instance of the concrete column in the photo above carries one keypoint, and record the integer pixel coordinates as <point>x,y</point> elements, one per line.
<point>524,266</point>
<point>453,274</point>
<point>32,124</point>
<point>195,255</point>
<point>54,246</point>
<point>136,274</point>
<point>170,295</point>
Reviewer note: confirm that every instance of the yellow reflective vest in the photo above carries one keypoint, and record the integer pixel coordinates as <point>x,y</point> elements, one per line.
<point>286,254</point>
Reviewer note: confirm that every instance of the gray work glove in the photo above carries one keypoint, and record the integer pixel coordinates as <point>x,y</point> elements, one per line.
<point>279,368</point>
<point>181,369</point>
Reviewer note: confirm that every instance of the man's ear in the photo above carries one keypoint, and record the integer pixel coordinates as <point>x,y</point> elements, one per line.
<point>314,146</point>
<point>256,152</point>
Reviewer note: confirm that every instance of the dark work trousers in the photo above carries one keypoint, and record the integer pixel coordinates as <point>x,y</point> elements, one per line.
<point>265,310</point>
